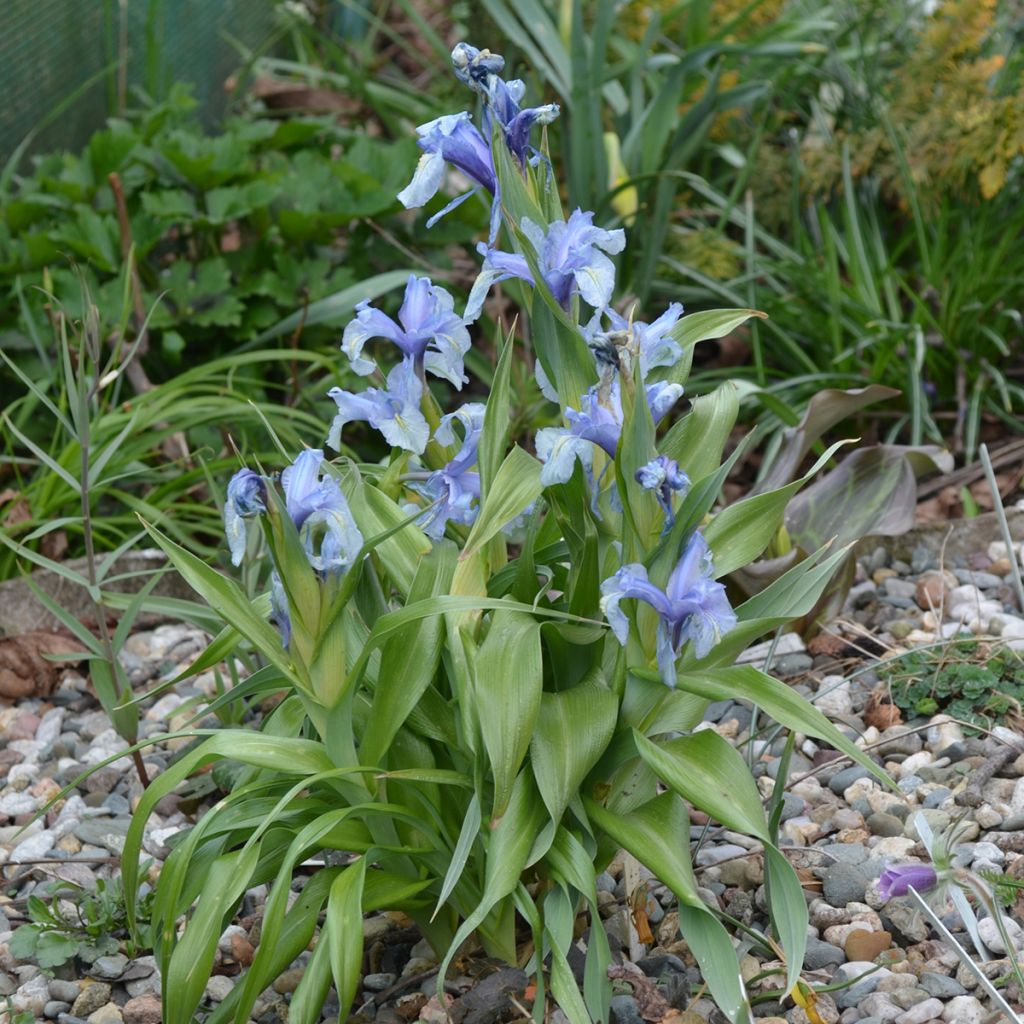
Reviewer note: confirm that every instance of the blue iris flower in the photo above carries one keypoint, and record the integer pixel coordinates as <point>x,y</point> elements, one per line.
<point>693,606</point>
<point>428,332</point>
<point>395,412</point>
<point>318,508</point>
<point>455,489</point>
<point>652,344</point>
<point>570,256</point>
<point>598,422</point>
<point>663,476</point>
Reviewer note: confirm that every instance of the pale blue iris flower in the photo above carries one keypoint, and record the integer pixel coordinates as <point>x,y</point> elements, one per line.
<point>452,139</point>
<point>395,412</point>
<point>692,607</point>
<point>570,256</point>
<point>428,332</point>
<point>651,343</point>
<point>598,422</point>
<point>246,498</point>
<point>455,489</point>
<point>318,508</point>
<point>663,476</point>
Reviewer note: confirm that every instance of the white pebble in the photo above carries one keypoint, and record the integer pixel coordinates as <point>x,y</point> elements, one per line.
<point>963,1010</point>
<point>917,761</point>
<point>924,1011</point>
<point>33,848</point>
<point>50,726</point>
<point>989,932</point>
<point>834,697</point>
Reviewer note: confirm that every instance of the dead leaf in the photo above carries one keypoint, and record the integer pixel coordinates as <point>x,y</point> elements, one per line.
<point>25,671</point>
<point>880,712</point>
<point>650,1003</point>
<point>18,510</point>
<point>54,545</point>
<point>865,945</point>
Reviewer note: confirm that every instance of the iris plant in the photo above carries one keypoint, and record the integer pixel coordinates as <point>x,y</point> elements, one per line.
<point>455,489</point>
<point>663,476</point>
<point>692,607</point>
<point>652,344</point>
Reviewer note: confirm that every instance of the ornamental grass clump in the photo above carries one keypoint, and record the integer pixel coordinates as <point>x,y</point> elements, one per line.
<point>491,665</point>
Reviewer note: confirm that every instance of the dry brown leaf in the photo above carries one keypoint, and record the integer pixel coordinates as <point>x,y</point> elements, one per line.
<point>880,712</point>
<point>650,1003</point>
<point>25,671</point>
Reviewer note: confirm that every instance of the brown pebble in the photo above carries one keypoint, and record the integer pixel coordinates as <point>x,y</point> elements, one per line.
<point>881,575</point>
<point>864,945</point>
<point>933,590</point>
<point>143,1010</point>
<point>1000,567</point>
<point>241,949</point>
<point>289,981</point>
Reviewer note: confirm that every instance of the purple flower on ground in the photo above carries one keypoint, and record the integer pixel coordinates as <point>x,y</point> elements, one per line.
<point>897,879</point>
<point>693,606</point>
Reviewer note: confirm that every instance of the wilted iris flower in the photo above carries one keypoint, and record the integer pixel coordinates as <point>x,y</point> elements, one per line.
<point>652,344</point>
<point>428,332</point>
<point>246,498</point>
<point>455,489</point>
<point>598,422</point>
<point>663,476</point>
<point>395,412</point>
<point>693,605</point>
<point>897,879</point>
<point>570,256</point>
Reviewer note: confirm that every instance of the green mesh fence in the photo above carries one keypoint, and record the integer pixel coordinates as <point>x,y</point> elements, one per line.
<point>50,49</point>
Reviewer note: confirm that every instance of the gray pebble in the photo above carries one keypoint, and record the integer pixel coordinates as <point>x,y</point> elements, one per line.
<point>64,991</point>
<point>109,967</point>
<point>843,884</point>
<point>792,664</point>
<point>54,1008</point>
<point>882,824</point>
<point>855,994</point>
<point>378,982</point>
<point>625,1010</point>
<point>846,777</point>
<point>822,954</point>
<point>940,985</point>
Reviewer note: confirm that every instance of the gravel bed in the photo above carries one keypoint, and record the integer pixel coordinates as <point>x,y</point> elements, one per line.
<point>841,826</point>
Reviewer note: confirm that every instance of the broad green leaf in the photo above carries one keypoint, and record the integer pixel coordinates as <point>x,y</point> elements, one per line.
<point>711,773</point>
<point>657,833</point>
<point>742,531</point>
<point>494,436</point>
<point>571,734</point>
<point>508,850</point>
<point>710,944</point>
<point>192,959</point>
<point>467,837</point>
<point>344,927</point>
<point>308,998</point>
<point>563,984</point>
<point>710,324</point>
<point>788,910</point>
<point>516,486</point>
<point>508,678</point>
<point>782,702</point>
<point>409,659</point>
<point>697,441</point>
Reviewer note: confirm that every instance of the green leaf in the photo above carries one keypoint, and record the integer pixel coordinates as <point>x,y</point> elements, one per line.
<point>344,927</point>
<point>494,436</point>
<point>657,833</point>
<point>710,324</point>
<point>516,486</point>
<point>508,679</point>
<point>711,773</point>
<point>741,532</point>
<point>572,732</point>
<point>309,997</point>
<point>788,910</point>
<point>713,949</point>
<point>338,307</point>
<point>697,441</point>
<point>192,959</point>
<point>226,596</point>
<point>468,835</point>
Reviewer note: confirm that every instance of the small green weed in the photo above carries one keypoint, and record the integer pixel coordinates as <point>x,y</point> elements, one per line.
<point>973,682</point>
<point>87,923</point>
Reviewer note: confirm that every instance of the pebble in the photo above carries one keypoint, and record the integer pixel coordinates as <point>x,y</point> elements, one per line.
<point>91,998</point>
<point>843,884</point>
<point>941,986</point>
<point>143,1010</point>
<point>963,1010</point>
